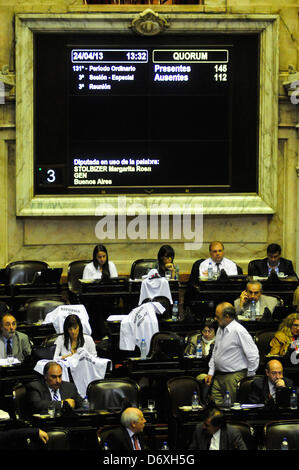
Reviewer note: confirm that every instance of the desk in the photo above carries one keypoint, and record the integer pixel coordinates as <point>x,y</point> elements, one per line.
<point>11,376</point>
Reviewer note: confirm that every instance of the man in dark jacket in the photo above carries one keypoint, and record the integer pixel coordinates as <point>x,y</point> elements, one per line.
<point>52,389</point>
<point>214,434</point>
<point>264,389</point>
<point>128,436</point>
<point>273,262</point>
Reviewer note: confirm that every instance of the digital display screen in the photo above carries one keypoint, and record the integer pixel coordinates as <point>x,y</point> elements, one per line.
<point>145,117</point>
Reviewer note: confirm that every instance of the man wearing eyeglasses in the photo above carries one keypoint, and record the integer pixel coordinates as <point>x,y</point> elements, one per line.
<point>12,342</point>
<point>254,292</point>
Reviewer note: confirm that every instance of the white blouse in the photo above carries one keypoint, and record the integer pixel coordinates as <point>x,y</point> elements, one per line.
<point>90,272</point>
<point>61,350</point>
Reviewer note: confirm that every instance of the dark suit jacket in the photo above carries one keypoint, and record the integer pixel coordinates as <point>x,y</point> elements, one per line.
<point>259,390</point>
<point>230,439</point>
<point>38,396</point>
<point>118,439</point>
<point>259,267</point>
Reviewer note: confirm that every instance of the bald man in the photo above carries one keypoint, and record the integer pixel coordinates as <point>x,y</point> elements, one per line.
<point>235,355</point>
<point>263,389</point>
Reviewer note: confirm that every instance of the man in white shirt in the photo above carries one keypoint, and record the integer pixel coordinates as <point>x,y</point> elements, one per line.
<point>234,356</point>
<point>214,434</point>
<point>218,261</point>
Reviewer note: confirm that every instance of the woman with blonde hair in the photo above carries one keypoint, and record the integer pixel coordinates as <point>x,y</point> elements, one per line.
<point>287,333</point>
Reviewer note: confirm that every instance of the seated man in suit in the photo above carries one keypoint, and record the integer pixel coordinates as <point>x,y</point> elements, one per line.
<point>254,292</point>
<point>263,389</point>
<point>214,434</point>
<point>128,436</point>
<point>13,342</point>
<point>40,393</point>
<point>273,262</point>
<point>218,261</point>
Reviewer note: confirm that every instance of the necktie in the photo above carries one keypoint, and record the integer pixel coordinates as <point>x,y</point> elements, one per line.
<point>218,269</point>
<point>8,347</point>
<point>55,396</point>
<point>136,443</point>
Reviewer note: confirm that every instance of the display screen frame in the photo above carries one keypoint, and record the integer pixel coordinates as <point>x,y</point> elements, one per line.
<point>261,201</point>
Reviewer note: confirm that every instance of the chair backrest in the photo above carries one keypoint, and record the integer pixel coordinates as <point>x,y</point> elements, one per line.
<point>113,394</point>
<point>262,340</point>
<point>22,272</point>
<point>247,432</point>
<point>37,309</point>
<point>244,387</point>
<point>59,439</point>
<point>140,267</point>
<point>275,431</point>
<point>19,401</point>
<point>180,391</point>
<point>239,270</point>
<point>166,346</point>
<point>75,272</point>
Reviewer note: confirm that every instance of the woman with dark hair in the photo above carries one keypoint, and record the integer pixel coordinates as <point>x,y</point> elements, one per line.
<point>165,261</point>
<point>73,339</point>
<point>100,267</point>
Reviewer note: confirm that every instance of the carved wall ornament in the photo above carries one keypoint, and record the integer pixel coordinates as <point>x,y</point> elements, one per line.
<point>149,23</point>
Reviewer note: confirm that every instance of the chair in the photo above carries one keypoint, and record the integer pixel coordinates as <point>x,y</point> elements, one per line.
<point>59,439</point>
<point>246,431</point>
<point>22,272</point>
<point>179,393</point>
<point>239,270</point>
<point>166,346</point>
<point>75,272</point>
<point>140,267</point>
<point>113,394</point>
<point>275,431</point>
<point>262,340</point>
<point>243,388</point>
<point>19,402</point>
<point>37,309</point>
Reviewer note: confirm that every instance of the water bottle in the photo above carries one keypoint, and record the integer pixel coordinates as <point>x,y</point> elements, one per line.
<point>177,273</point>
<point>198,349</point>
<point>143,349</point>
<point>105,446</point>
<point>210,271</point>
<point>252,310</point>
<point>293,401</point>
<point>175,311</point>
<point>195,401</point>
<point>165,446</point>
<point>227,400</point>
<point>85,404</point>
<point>284,444</point>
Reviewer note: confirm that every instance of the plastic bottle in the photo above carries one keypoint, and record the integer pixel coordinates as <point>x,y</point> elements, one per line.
<point>175,311</point>
<point>210,271</point>
<point>143,349</point>
<point>284,444</point>
<point>85,404</point>
<point>252,310</point>
<point>177,273</point>
<point>227,400</point>
<point>195,401</point>
<point>293,401</point>
<point>198,349</point>
<point>165,446</point>
<point>105,446</point>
